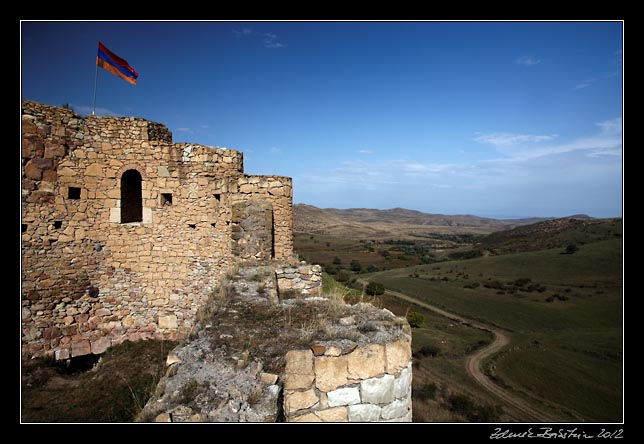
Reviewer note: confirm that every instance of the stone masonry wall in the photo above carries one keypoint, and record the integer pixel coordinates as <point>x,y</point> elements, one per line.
<point>90,281</point>
<point>305,279</point>
<point>372,383</point>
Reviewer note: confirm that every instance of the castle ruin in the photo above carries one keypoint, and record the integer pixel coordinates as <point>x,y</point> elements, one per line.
<point>125,233</point>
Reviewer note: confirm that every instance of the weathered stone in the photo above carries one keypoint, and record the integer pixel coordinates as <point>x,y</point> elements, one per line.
<point>100,345</point>
<point>398,355</point>
<point>336,414</point>
<point>102,312</point>
<point>94,170</point>
<point>51,333</point>
<point>268,378</point>
<point>172,358</point>
<point>168,321</point>
<point>348,320</point>
<point>32,172</point>
<point>364,413</point>
<point>330,372</point>
<point>366,361</point>
<point>333,351</point>
<point>293,381</point>
<point>343,396</point>
<point>378,390</point>
<point>294,401</point>
<point>307,417</point>
<point>163,171</point>
<point>163,417</point>
<point>403,383</point>
<point>81,348</point>
<point>299,362</point>
<point>397,409</point>
<point>318,350</point>
<point>26,313</point>
<point>62,354</point>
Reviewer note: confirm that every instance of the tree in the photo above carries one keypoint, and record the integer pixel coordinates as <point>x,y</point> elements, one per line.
<point>375,288</point>
<point>356,266</point>
<point>415,319</point>
<point>372,268</point>
<point>337,260</point>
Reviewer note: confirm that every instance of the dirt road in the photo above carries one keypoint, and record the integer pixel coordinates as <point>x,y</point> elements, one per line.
<point>473,362</point>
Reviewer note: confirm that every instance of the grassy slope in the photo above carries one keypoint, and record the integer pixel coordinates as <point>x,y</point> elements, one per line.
<point>567,351</point>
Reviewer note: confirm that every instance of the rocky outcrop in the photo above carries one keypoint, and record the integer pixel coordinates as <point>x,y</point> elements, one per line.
<point>306,359</point>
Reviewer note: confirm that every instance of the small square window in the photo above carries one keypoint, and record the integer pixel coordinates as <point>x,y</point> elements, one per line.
<point>24,227</point>
<point>58,224</point>
<point>73,193</point>
<point>166,199</point>
<point>218,197</point>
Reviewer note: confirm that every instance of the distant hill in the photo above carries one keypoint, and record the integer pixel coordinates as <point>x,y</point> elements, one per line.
<point>363,223</point>
<point>555,233</point>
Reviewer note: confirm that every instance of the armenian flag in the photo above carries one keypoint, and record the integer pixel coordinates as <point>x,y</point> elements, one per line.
<point>109,61</point>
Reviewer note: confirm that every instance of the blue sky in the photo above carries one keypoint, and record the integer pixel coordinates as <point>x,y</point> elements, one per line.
<point>499,119</point>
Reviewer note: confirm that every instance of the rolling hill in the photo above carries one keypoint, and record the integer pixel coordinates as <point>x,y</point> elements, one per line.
<point>400,223</point>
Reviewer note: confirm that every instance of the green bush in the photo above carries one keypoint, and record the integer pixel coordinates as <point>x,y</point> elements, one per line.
<point>337,260</point>
<point>427,350</point>
<point>427,391</point>
<point>343,276</point>
<point>356,266</point>
<point>375,289</point>
<point>415,319</point>
<point>372,268</point>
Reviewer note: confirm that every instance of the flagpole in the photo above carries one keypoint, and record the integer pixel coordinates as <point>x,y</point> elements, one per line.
<point>94,101</point>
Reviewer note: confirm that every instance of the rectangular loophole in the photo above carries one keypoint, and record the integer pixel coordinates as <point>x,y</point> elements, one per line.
<point>166,199</point>
<point>218,197</point>
<point>73,193</point>
<point>214,225</point>
<point>58,224</point>
<point>24,228</point>
<point>193,226</point>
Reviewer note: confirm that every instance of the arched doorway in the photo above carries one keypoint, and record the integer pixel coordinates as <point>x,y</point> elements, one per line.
<point>131,201</point>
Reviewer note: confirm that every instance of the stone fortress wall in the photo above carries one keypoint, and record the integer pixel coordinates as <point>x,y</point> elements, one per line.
<point>125,233</point>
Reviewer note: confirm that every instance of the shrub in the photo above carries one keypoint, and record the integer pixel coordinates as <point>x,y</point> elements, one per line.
<point>472,286</point>
<point>427,391</point>
<point>375,289</point>
<point>337,260</point>
<point>571,249</point>
<point>356,266</point>
<point>427,350</point>
<point>372,269</point>
<point>415,319</point>
<point>343,276</point>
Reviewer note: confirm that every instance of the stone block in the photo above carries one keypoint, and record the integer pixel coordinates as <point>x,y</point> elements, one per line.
<point>94,170</point>
<point>397,409</point>
<point>330,372</point>
<point>336,414</point>
<point>333,351</point>
<point>268,378</point>
<point>294,401</point>
<point>100,345</point>
<point>294,382</point>
<point>163,171</point>
<point>378,390</point>
<point>102,312</point>
<point>81,348</point>
<point>168,321</point>
<point>299,362</point>
<point>398,355</point>
<point>32,171</point>
<point>366,362</point>
<point>364,413</point>
<point>62,354</point>
<point>307,417</point>
<point>403,382</point>
<point>343,396</point>
<point>115,215</point>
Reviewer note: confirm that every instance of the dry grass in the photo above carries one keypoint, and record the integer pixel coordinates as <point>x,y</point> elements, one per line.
<point>114,391</point>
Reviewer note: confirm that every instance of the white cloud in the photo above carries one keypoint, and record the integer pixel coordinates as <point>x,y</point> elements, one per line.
<point>276,150</point>
<point>527,61</point>
<point>509,139</point>
<point>184,130</point>
<point>269,40</point>
<point>365,152</point>
<point>531,177</point>
<point>584,84</point>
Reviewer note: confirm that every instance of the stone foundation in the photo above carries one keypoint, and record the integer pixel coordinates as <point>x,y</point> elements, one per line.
<point>371,383</point>
<point>304,279</point>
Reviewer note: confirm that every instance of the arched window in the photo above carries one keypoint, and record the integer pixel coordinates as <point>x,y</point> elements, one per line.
<point>131,201</point>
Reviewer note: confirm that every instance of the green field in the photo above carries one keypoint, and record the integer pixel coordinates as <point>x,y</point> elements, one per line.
<point>564,312</point>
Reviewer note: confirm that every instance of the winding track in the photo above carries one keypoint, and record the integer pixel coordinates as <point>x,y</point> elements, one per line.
<point>473,362</point>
